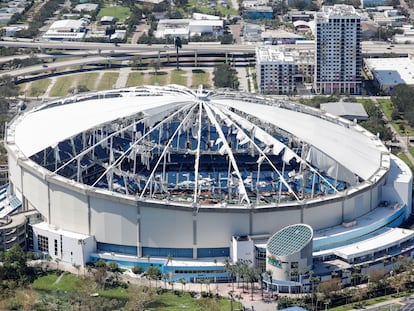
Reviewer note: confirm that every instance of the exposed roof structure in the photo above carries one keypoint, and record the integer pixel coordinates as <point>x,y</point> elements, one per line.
<point>197,146</point>
<point>290,240</point>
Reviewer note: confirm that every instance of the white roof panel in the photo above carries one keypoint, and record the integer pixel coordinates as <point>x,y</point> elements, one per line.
<point>359,153</point>
<point>52,125</point>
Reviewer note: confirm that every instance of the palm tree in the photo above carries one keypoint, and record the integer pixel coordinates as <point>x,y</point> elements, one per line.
<point>82,243</point>
<point>251,276</point>
<point>230,269</point>
<point>164,278</point>
<point>231,300</point>
<point>77,267</point>
<point>183,282</point>
<point>261,282</point>
<point>238,270</point>
<point>269,274</point>
<point>207,282</point>
<point>57,260</point>
<point>169,259</point>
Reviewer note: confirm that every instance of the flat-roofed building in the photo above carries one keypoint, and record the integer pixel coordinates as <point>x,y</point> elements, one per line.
<point>349,111</point>
<point>185,28</point>
<point>206,27</point>
<point>173,28</point>
<point>258,12</point>
<point>66,30</point>
<point>389,72</point>
<point>87,7</point>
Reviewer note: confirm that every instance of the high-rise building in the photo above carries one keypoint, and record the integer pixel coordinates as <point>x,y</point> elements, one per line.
<point>338,51</point>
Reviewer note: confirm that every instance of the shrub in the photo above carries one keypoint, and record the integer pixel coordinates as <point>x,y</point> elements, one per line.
<point>136,269</point>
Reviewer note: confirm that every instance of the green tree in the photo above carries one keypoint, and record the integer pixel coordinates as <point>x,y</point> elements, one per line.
<point>8,88</point>
<point>153,273</point>
<point>15,264</point>
<point>113,266</point>
<point>401,97</point>
<point>225,76</point>
<point>136,269</point>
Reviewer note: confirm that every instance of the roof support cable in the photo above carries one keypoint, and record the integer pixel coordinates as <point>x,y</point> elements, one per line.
<point>197,158</point>
<point>262,156</point>
<point>241,188</point>
<point>98,139</point>
<point>302,161</point>
<point>147,134</point>
<point>166,149</point>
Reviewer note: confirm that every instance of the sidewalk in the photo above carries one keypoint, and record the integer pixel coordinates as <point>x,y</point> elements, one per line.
<point>401,303</point>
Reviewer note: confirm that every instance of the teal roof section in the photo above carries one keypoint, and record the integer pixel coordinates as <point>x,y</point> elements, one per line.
<point>290,240</point>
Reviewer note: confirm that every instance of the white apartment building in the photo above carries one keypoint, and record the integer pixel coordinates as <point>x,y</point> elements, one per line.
<point>278,69</point>
<point>338,51</point>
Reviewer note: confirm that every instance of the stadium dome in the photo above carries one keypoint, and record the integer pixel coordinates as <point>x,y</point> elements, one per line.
<point>169,170</point>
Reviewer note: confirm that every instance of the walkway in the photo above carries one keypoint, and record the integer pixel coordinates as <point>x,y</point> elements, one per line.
<point>123,76</point>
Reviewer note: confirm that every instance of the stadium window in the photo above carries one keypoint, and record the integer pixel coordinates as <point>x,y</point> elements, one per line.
<point>56,247</point>
<point>43,243</point>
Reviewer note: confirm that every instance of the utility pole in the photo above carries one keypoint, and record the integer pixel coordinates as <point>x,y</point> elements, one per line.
<point>178,44</point>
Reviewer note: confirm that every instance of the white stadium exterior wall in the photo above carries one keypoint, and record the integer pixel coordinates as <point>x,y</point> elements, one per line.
<point>35,189</point>
<point>15,170</point>
<point>271,222</point>
<point>69,209</point>
<point>213,226</point>
<point>320,215</point>
<point>166,226</point>
<point>113,221</point>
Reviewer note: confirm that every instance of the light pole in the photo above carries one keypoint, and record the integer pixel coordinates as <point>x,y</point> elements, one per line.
<point>178,44</point>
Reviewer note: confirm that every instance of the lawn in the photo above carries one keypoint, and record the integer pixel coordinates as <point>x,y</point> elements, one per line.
<point>68,282</point>
<point>170,302</point>
<point>178,77</point>
<point>386,107</point>
<point>119,12</point>
<point>200,77</point>
<point>87,79</point>
<point>135,79</point>
<point>368,302</point>
<point>158,79</point>
<point>162,302</point>
<point>411,150</point>
<point>62,86</point>
<point>115,293</point>
<point>223,10</point>
<point>401,126</point>
<point>38,87</point>
<point>407,161</point>
<point>108,81</point>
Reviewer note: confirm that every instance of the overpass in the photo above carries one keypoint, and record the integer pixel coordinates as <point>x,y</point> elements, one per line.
<point>105,53</point>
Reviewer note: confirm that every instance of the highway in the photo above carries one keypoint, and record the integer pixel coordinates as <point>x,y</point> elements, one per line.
<point>105,53</point>
<point>368,47</point>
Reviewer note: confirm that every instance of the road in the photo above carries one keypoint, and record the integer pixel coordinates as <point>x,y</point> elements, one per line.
<point>368,47</point>
<point>95,53</point>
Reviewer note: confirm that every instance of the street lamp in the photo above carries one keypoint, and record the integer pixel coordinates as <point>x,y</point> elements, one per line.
<point>178,44</point>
